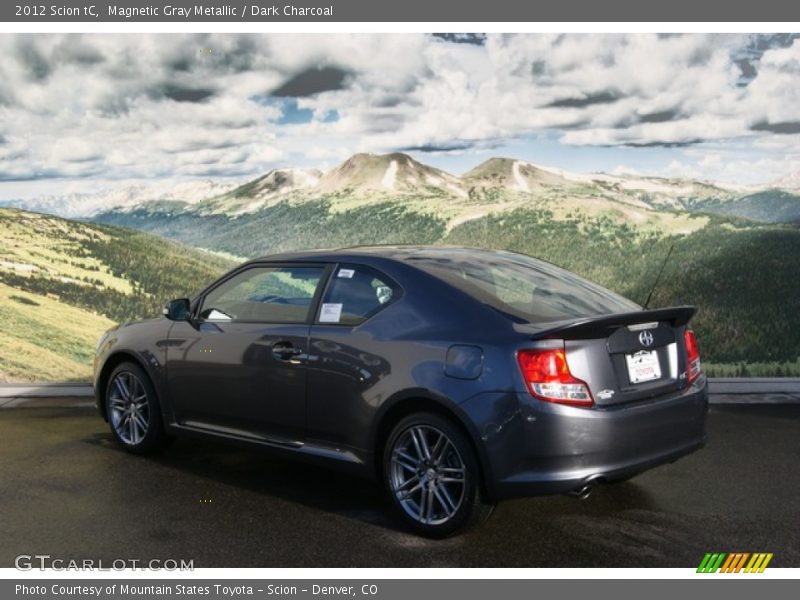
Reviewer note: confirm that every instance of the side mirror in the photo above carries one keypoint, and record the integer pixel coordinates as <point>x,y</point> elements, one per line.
<point>177,310</point>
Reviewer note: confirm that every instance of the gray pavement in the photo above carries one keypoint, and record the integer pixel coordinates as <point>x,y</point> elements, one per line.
<point>68,491</point>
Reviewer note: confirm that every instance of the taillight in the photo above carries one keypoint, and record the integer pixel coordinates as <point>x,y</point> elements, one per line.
<point>547,376</point>
<point>692,355</point>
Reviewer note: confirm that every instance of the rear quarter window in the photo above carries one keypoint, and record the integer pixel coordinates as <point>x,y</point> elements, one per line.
<point>356,293</point>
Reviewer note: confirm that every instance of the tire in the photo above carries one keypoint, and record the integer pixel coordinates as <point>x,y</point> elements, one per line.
<point>432,477</point>
<point>133,410</point>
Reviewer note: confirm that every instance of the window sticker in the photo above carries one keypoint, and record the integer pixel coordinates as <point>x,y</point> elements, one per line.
<point>216,315</point>
<point>330,313</point>
<point>346,273</point>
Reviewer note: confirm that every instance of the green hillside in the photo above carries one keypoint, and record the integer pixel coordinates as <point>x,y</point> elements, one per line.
<point>288,226</point>
<point>744,280</point>
<point>768,206</point>
<point>62,283</point>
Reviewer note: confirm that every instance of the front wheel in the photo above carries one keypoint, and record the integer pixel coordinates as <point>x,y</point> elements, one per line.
<point>133,411</point>
<point>432,476</point>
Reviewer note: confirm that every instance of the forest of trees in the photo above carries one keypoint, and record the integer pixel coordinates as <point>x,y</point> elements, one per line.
<point>285,227</point>
<point>745,282</point>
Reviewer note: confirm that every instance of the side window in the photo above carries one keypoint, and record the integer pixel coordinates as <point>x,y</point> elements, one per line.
<point>264,294</point>
<point>356,293</point>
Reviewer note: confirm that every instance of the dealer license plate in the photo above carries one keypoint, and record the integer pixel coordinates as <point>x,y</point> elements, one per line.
<point>643,366</point>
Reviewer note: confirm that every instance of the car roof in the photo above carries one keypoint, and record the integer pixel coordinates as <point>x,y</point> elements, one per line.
<point>397,253</point>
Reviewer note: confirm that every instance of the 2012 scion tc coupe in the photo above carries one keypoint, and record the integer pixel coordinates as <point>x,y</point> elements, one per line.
<point>457,377</point>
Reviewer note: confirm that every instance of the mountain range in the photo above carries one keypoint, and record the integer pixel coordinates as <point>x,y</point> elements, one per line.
<point>82,205</point>
<point>366,177</point>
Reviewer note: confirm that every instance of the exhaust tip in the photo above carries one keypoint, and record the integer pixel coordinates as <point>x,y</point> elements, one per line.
<point>585,490</point>
<point>581,493</point>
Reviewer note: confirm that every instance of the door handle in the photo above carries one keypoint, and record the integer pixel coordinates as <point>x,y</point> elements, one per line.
<point>285,351</point>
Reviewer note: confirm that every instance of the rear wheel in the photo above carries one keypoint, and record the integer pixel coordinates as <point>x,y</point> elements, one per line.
<point>432,476</point>
<point>133,411</point>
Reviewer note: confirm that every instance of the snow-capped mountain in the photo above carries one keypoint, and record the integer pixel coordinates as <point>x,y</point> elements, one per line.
<point>388,173</point>
<point>513,175</point>
<point>789,182</point>
<point>262,191</point>
<point>89,204</point>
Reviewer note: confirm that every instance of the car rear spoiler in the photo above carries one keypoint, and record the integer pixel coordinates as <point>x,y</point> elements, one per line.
<point>677,316</point>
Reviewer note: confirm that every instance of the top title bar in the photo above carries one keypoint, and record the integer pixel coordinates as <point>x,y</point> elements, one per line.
<point>541,11</point>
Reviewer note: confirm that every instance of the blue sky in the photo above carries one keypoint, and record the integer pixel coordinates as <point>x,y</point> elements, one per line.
<point>82,112</point>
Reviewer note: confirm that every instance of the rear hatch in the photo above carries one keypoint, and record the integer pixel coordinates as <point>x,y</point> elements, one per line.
<point>624,357</point>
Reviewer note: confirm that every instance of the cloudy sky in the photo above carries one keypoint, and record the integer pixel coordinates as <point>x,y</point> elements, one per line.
<point>79,112</point>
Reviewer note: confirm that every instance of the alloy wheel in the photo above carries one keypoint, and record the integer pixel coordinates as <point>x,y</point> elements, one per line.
<point>129,408</point>
<point>427,475</point>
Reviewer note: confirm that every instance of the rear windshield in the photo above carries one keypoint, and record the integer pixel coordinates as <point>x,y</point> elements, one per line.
<point>523,287</point>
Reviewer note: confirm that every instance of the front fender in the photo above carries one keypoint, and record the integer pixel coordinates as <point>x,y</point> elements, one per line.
<point>145,344</point>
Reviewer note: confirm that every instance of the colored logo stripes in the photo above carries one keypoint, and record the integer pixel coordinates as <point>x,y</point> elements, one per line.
<point>735,562</point>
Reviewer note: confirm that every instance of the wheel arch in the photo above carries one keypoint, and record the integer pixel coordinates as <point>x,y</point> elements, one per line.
<point>414,401</point>
<point>111,363</point>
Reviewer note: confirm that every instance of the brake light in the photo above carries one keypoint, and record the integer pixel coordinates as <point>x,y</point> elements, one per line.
<point>547,376</point>
<point>692,355</point>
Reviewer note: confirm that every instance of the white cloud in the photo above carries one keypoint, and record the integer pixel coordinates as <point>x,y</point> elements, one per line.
<point>625,170</point>
<point>740,166</point>
<point>134,106</point>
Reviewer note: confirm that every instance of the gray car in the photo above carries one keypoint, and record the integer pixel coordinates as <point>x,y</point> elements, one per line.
<point>456,377</point>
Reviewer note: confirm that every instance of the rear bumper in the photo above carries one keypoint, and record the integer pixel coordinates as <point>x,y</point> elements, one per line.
<point>532,448</point>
